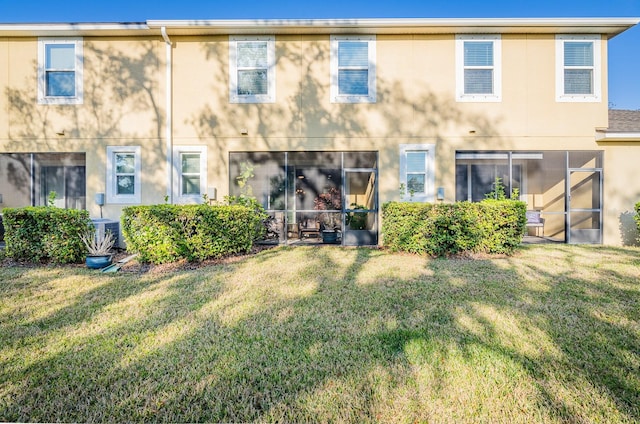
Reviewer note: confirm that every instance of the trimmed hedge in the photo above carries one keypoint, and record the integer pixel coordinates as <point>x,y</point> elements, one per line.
<point>490,226</point>
<point>45,234</point>
<point>166,233</point>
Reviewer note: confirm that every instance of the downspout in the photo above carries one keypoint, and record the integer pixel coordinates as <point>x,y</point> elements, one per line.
<point>169,112</point>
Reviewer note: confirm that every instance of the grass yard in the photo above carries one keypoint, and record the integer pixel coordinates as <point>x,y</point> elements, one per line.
<point>326,334</point>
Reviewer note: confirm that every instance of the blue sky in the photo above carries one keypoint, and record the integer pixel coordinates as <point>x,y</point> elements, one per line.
<point>624,50</point>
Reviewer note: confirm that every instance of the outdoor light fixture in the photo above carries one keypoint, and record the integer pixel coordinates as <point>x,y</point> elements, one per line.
<point>440,193</point>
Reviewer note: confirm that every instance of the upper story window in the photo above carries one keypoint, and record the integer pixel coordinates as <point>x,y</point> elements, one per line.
<point>60,70</point>
<point>353,69</point>
<point>478,68</point>
<point>252,69</point>
<point>123,174</point>
<point>578,68</point>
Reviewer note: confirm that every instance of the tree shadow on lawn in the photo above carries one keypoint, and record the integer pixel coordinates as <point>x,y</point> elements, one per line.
<point>332,340</point>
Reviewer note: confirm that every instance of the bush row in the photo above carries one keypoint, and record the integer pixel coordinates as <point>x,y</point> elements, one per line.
<point>166,233</point>
<point>45,234</point>
<point>490,226</point>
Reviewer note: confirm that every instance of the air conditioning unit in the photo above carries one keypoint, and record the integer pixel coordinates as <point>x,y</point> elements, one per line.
<point>103,225</point>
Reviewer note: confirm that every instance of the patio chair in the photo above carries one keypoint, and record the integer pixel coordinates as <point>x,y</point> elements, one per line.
<point>534,220</point>
<point>309,227</point>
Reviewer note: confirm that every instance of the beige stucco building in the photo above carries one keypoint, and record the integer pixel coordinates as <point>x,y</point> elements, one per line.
<point>320,115</point>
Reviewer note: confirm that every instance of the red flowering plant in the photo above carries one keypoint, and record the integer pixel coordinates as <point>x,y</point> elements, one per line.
<point>328,201</point>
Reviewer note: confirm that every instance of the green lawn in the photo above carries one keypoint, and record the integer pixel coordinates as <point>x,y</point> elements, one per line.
<point>330,335</point>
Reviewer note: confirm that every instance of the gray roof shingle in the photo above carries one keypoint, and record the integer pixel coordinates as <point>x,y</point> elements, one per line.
<point>624,120</point>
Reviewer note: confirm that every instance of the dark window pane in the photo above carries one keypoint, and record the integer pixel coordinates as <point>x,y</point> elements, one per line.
<point>61,84</point>
<point>60,56</point>
<point>578,81</point>
<point>416,161</point>
<point>353,53</point>
<point>415,183</point>
<point>252,54</point>
<point>360,159</point>
<point>478,81</point>
<point>190,184</point>
<point>190,163</point>
<point>125,163</point>
<point>253,82</point>
<point>462,183</point>
<point>478,53</point>
<point>585,159</point>
<point>125,185</point>
<point>578,53</point>
<point>261,175</point>
<point>353,82</point>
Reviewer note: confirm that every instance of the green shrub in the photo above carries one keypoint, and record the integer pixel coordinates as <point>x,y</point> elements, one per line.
<point>503,225</point>
<point>43,234</point>
<point>490,226</point>
<point>166,233</point>
<point>637,219</point>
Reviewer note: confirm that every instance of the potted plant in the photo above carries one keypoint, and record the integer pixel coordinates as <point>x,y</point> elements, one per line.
<point>331,202</point>
<point>98,249</point>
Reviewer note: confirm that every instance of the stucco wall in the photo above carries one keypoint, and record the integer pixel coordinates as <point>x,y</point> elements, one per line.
<point>124,104</point>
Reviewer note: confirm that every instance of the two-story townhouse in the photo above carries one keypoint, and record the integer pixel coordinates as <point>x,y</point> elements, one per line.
<point>321,120</point>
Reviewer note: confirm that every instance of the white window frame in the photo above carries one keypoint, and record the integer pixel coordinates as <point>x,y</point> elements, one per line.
<point>112,180</point>
<point>177,174</point>
<point>430,178</point>
<point>234,97</point>
<point>496,96</point>
<point>336,97</point>
<point>78,70</point>
<point>594,97</point>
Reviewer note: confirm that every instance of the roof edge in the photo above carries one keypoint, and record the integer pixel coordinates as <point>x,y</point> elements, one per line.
<point>72,28</point>
<point>401,22</point>
<point>610,26</point>
<point>617,136</point>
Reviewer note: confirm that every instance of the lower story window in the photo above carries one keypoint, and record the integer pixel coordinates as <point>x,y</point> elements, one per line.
<point>123,174</point>
<point>416,171</point>
<point>190,173</point>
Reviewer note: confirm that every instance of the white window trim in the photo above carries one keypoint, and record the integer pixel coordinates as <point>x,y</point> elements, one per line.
<point>596,96</point>
<point>112,193</point>
<point>430,180</point>
<point>234,97</point>
<point>177,174</point>
<point>336,97</point>
<point>496,96</point>
<point>63,100</point>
